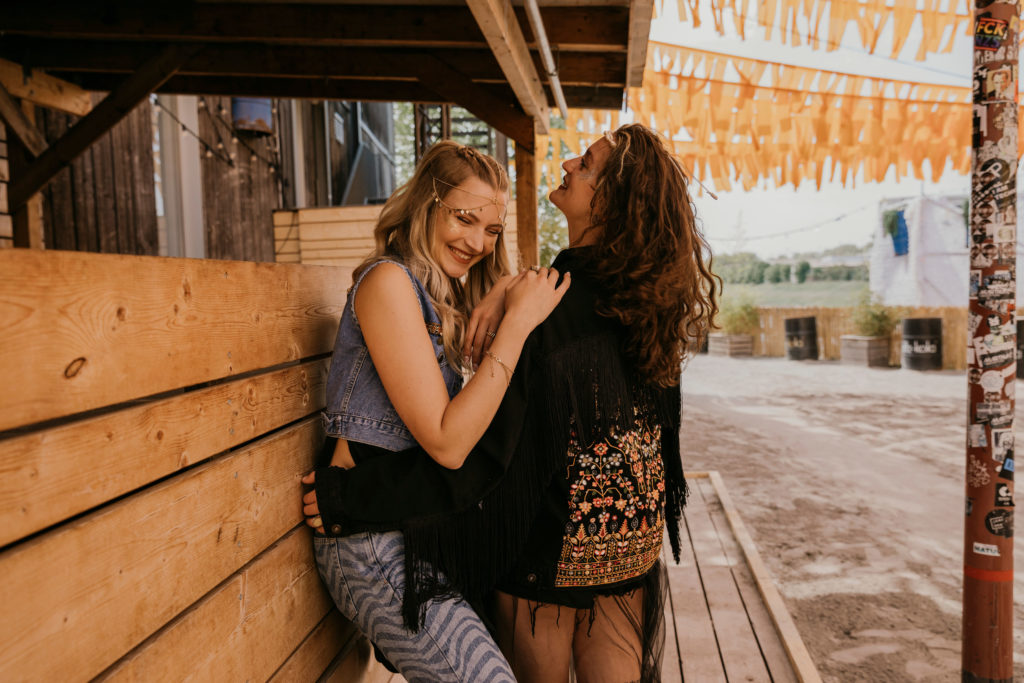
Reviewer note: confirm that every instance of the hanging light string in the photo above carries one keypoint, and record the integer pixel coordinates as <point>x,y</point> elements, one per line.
<point>219,149</point>
<point>806,228</point>
<point>220,119</point>
<point>208,149</point>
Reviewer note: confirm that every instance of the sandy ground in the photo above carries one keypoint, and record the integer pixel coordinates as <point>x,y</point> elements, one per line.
<point>851,481</point>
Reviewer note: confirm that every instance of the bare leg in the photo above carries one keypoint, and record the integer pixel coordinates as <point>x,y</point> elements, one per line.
<point>609,649</point>
<point>541,651</point>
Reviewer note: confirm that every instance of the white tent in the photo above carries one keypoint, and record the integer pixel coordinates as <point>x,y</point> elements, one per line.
<point>933,271</point>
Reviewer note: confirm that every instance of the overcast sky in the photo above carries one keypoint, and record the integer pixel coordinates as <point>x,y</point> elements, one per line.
<point>753,221</point>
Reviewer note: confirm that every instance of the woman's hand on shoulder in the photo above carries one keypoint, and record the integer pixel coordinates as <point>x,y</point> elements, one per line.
<point>485,318</point>
<point>532,298</point>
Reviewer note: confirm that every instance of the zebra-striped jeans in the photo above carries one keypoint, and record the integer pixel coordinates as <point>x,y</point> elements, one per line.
<point>365,574</point>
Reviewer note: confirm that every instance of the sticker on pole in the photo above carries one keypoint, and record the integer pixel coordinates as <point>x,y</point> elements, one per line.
<point>999,523</point>
<point>1006,471</point>
<point>989,32</point>
<point>1004,496</point>
<point>986,549</point>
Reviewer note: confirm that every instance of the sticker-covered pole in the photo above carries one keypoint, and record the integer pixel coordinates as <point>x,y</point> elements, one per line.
<point>991,350</point>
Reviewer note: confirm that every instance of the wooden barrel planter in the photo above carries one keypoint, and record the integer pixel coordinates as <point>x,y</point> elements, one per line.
<point>730,344</point>
<point>801,338</point>
<point>856,349</point>
<point>922,343</point>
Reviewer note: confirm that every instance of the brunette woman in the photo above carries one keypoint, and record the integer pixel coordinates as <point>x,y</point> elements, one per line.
<point>395,382</point>
<point>580,473</point>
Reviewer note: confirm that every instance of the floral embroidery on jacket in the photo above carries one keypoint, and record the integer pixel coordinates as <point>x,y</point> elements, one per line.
<point>616,496</point>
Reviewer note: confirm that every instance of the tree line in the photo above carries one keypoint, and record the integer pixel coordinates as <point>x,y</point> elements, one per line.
<point>746,267</point>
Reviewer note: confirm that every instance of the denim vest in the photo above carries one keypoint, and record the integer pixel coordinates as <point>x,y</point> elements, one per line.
<point>358,408</point>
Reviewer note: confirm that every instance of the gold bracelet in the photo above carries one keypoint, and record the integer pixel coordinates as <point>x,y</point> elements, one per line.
<point>507,369</point>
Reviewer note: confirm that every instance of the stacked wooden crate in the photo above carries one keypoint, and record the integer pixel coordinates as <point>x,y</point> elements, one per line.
<point>342,235</point>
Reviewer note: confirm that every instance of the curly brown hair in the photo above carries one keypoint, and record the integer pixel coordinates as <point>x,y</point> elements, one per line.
<point>651,254</point>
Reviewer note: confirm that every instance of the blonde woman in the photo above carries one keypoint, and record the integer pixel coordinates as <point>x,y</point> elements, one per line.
<point>396,382</point>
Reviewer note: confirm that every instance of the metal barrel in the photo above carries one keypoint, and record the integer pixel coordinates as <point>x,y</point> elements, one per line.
<point>801,338</point>
<point>922,343</point>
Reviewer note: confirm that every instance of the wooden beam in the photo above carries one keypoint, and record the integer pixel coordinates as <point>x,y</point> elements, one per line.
<point>19,124</point>
<point>640,12</point>
<point>296,88</point>
<point>107,113</point>
<point>598,28</point>
<point>602,28</point>
<point>43,89</point>
<point>526,207</point>
<point>501,28</point>
<point>454,86</point>
<point>585,69</point>
<point>27,218</point>
<point>27,221</point>
<point>306,23</point>
<point>594,96</point>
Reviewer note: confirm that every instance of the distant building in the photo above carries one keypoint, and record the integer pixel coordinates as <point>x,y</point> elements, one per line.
<point>923,258</point>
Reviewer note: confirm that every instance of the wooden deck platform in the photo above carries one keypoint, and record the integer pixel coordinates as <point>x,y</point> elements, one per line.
<point>725,621</point>
<point>724,613</point>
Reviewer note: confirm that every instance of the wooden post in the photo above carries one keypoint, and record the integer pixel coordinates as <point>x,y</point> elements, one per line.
<point>27,217</point>
<point>987,653</point>
<point>526,207</point>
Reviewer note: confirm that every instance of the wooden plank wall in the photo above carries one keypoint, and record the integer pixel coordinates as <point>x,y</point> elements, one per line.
<point>105,200</point>
<point>238,198</point>
<point>6,225</point>
<point>159,416</point>
<point>343,235</point>
<point>832,323</point>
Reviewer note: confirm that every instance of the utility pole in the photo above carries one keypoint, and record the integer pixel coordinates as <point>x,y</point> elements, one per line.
<point>987,654</point>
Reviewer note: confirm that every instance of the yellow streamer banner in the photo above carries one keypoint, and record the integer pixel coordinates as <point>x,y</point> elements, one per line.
<point>734,119</point>
<point>803,21</point>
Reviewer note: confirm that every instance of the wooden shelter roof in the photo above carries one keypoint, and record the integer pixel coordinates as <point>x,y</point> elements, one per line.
<point>480,54</point>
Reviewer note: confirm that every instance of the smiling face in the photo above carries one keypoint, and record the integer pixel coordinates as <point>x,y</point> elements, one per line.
<point>468,222</point>
<point>574,196</point>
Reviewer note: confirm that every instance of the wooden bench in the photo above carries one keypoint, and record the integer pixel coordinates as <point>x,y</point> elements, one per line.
<point>156,417</point>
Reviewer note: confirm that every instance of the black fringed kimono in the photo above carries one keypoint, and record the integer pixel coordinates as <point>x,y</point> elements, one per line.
<point>565,497</point>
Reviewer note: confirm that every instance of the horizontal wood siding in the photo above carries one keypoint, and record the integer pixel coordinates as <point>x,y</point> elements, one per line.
<point>44,478</point>
<point>343,235</point>
<point>84,333</point>
<point>833,323</point>
<point>150,524</point>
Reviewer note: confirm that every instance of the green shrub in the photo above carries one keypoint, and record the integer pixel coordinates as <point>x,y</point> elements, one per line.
<point>739,316</point>
<point>872,318</point>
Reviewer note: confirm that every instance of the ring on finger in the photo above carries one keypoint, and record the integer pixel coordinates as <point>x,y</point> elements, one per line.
<point>535,269</point>
<point>317,521</point>
<point>490,333</point>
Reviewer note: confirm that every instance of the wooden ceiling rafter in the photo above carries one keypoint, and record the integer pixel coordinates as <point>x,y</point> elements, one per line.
<point>502,30</point>
<point>587,28</point>
<point>288,61</point>
<point>479,54</point>
<point>19,124</point>
<point>102,118</point>
<point>592,42</point>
